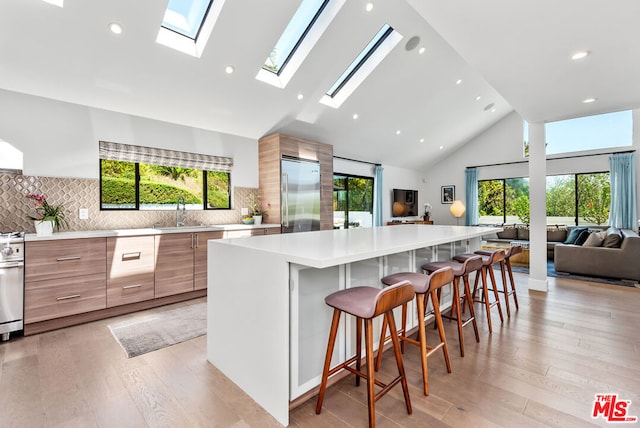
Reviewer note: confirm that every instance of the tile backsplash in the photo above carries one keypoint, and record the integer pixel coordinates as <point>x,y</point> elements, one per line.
<point>76,193</point>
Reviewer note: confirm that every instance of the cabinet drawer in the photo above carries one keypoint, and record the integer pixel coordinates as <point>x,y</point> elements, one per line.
<point>130,289</point>
<point>128,256</point>
<point>56,298</point>
<point>63,258</point>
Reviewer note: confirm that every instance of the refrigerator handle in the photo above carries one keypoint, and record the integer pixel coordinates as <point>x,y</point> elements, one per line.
<point>285,205</point>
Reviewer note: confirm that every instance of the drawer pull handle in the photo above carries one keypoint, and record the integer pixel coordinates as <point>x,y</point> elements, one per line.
<point>66,259</point>
<point>73,296</point>
<point>132,255</point>
<point>126,287</point>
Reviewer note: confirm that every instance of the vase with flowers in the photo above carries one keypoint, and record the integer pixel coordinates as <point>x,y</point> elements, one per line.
<point>47,216</point>
<point>427,212</point>
<point>257,210</point>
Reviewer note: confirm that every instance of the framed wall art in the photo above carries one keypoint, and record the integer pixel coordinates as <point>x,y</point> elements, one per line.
<point>447,194</point>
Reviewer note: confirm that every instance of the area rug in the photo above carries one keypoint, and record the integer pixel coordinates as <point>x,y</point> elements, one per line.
<point>552,272</point>
<point>146,333</point>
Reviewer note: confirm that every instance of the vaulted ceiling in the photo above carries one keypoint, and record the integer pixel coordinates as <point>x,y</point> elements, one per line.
<point>514,55</point>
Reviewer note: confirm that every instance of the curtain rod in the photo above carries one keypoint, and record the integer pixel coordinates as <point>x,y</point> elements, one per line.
<point>356,160</point>
<point>550,159</point>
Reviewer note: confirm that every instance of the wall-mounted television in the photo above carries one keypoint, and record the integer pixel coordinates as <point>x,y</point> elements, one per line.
<point>405,203</point>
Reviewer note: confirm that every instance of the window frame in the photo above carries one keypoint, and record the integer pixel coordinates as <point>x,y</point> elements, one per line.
<point>136,207</point>
<point>347,176</point>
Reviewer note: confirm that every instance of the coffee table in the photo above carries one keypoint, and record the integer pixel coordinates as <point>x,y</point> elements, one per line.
<point>521,259</point>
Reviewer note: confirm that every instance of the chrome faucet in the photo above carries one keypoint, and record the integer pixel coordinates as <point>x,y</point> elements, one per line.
<point>180,218</point>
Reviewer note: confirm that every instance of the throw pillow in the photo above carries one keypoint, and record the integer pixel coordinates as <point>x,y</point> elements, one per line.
<point>556,235</point>
<point>582,238</point>
<point>523,233</point>
<point>573,235</point>
<point>595,240</point>
<point>509,232</point>
<point>613,238</point>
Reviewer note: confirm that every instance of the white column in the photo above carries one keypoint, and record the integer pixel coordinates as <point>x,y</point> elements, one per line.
<point>538,212</point>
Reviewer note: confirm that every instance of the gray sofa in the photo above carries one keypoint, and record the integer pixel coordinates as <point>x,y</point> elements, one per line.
<point>622,262</point>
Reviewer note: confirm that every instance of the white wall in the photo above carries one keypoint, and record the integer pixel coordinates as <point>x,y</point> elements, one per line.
<point>60,139</point>
<point>502,144</point>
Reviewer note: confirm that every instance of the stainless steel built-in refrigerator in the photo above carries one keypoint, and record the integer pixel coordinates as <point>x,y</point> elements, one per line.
<point>300,199</point>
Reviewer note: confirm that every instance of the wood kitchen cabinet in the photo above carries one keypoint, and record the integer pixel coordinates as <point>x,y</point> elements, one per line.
<point>130,269</point>
<point>64,277</point>
<point>200,257</point>
<point>271,149</point>
<point>174,263</point>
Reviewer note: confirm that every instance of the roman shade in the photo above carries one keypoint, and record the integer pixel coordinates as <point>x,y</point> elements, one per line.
<point>164,157</point>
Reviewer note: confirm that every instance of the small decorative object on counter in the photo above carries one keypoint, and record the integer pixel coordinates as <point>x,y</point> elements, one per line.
<point>47,216</point>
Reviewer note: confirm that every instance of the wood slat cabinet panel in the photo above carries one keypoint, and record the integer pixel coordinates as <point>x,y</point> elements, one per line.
<point>62,258</point>
<point>130,269</point>
<point>61,297</point>
<point>272,231</point>
<point>200,257</point>
<point>174,263</point>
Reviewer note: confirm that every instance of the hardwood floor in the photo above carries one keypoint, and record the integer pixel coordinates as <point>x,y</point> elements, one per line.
<point>542,367</point>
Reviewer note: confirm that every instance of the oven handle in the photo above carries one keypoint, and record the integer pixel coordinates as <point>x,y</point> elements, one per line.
<point>6,265</point>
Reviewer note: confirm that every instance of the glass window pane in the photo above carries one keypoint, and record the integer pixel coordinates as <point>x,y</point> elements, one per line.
<point>589,133</point>
<point>594,197</point>
<point>218,192</point>
<point>161,186</point>
<point>186,16</point>
<point>297,28</point>
<point>561,199</point>
<point>517,200</point>
<point>117,184</point>
<point>491,201</point>
<point>352,201</point>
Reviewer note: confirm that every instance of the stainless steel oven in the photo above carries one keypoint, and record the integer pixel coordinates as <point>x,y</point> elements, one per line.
<point>11,283</point>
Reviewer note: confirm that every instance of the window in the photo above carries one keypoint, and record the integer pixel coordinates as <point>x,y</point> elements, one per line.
<point>187,24</point>
<point>143,178</point>
<point>300,36</point>
<point>368,59</point>
<point>589,133</point>
<point>573,199</point>
<point>352,201</point>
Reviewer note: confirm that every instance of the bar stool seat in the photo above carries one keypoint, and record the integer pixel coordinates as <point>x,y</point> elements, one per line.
<point>366,303</point>
<point>460,270</point>
<point>424,286</point>
<point>509,252</point>
<point>488,260</point>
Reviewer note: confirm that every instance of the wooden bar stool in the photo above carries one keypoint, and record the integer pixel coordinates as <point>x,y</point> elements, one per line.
<point>509,252</point>
<point>424,286</point>
<point>487,265</point>
<point>366,303</point>
<point>460,270</point>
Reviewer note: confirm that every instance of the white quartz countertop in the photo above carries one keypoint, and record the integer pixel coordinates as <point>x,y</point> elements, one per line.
<point>327,248</point>
<point>145,231</point>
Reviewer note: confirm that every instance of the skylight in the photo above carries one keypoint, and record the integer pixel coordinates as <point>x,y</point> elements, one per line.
<point>300,36</point>
<point>366,61</point>
<point>187,24</point>
<point>186,16</point>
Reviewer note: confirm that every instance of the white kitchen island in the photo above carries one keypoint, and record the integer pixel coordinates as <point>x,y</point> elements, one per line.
<point>268,325</point>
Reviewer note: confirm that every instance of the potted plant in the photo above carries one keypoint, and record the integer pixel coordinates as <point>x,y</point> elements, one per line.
<point>257,210</point>
<point>48,216</point>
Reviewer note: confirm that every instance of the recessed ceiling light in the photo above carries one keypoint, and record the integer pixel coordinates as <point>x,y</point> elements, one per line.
<point>115,28</point>
<point>369,6</point>
<point>229,69</point>
<point>355,116</point>
<point>589,100</point>
<point>300,96</point>
<point>422,50</point>
<point>422,140</point>
<point>459,81</point>
<point>398,132</point>
<point>493,110</point>
<point>478,98</point>
<point>579,55</point>
<point>441,147</point>
<point>59,3</point>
